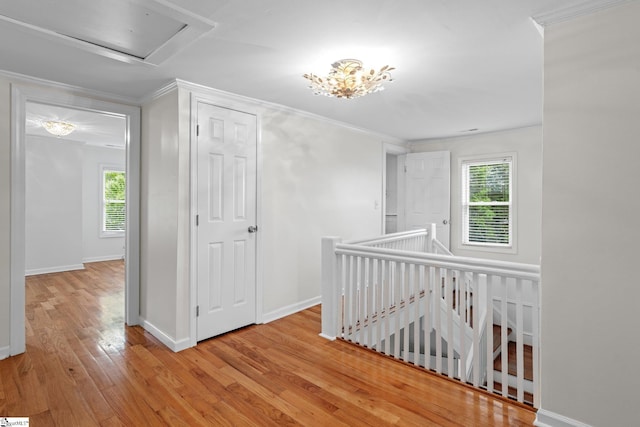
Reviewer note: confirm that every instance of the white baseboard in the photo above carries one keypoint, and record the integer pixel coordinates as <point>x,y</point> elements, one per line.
<point>5,352</point>
<point>164,338</point>
<point>103,258</point>
<point>546,418</point>
<point>58,269</point>
<point>290,309</point>
<point>327,337</point>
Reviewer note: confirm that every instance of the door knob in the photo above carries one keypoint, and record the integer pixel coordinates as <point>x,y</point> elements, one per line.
<point>252,229</point>
<point>445,222</point>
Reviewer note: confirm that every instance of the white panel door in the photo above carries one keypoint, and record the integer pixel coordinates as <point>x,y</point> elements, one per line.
<point>427,185</point>
<point>226,191</point>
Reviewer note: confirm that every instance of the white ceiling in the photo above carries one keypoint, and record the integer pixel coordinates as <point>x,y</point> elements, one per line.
<point>460,64</point>
<point>92,128</point>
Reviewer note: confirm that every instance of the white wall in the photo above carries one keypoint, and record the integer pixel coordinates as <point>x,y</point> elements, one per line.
<point>159,283</point>
<point>63,205</point>
<point>94,247</point>
<point>5,215</point>
<point>53,205</point>
<point>590,346</point>
<point>526,143</point>
<point>319,179</point>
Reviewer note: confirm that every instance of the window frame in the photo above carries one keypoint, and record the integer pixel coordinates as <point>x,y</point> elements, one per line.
<point>102,231</point>
<point>465,163</point>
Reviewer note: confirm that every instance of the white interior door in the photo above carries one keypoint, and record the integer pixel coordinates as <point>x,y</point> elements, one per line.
<point>226,191</point>
<point>426,195</point>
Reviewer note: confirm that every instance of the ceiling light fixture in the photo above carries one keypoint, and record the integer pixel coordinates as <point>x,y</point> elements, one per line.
<point>348,79</point>
<point>58,128</point>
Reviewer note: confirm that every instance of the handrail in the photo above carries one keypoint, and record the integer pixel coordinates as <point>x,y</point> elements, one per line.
<point>442,247</point>
<point>453,262</point>
<point>407,296</point>
<point>392,237</point>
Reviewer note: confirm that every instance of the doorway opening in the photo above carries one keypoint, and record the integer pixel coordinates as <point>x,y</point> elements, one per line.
<point>392,188</point>
<point>21,98</point>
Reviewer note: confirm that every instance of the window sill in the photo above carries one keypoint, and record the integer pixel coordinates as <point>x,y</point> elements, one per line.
<point>113,234</point>
<point>488,248</point>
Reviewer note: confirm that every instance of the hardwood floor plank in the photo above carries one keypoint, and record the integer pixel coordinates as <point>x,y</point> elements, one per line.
<point>83,367</point>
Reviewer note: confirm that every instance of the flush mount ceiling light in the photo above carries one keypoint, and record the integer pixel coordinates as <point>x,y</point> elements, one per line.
<point>58,128</point>
<point>348,79</point>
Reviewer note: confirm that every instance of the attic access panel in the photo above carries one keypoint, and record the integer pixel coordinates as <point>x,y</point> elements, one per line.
<point>127,30</point>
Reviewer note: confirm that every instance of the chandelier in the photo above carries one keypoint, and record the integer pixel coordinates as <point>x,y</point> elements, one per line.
<point>348,79</point>
<point>58,128</point>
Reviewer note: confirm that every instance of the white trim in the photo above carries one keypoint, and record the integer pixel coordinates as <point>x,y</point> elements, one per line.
<point>259,223</point>
<point>90,93</point>
<point>169,87</point>
<point>103,258</point>
<point>512,248</point>
<point>105,167</point>
<point>290,309</point>
<point>327,337</point>
<point>257,103</point>
<point>56,269</point>
<point>102,233</point>
<point>5,352</point>
<point>573,11</point>
<point>17,337</point>
<point>228,102</point>
<point>193,210</point>
<point>165,339</point>
<point>20,95</point>
<point>546,418</point>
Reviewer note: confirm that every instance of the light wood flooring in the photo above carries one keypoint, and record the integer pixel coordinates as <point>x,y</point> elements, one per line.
<point>83,367</point>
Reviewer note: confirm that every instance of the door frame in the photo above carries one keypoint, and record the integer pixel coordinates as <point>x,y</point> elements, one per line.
<point>396,150</point>
<point>228,102</point>
<point>71,98</point>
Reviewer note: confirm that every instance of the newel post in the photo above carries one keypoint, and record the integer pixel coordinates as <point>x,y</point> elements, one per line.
<point>430,238</point>
<point>331,291</point>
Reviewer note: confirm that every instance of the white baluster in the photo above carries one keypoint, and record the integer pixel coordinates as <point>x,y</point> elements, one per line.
<point>362,313</point>
<point>414,278</point>
<point>428,278</point>
<point>351,282</point>
<point>519,342</point>
<point>438,321</point>
<point>407,318</point>
<point>504,341</point>
<point>449,301</point>
<point>535,343</point>
<point>397,289</point>
<point>380,303</point>
<point>331,289</point>
<point>462,301</point>
<point>477,327</point>
<point>489,332</point>
<point>371,311</point>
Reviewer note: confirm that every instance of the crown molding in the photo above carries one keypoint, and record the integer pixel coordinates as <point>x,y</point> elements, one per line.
<point>194,87</point>
<point>105,96</point>
<point>257,103</point>
<point>574,11</point>
<point>169,87</point>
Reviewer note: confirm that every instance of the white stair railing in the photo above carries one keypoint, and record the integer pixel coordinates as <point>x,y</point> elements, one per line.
<point>407,305</point>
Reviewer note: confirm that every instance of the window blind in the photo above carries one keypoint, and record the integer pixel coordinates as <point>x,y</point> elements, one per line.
<point>114,207</point>
<point>487,202</point>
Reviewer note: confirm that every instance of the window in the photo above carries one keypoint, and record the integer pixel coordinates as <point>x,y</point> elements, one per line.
<point>113,202</point>
<point>487,210</point>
